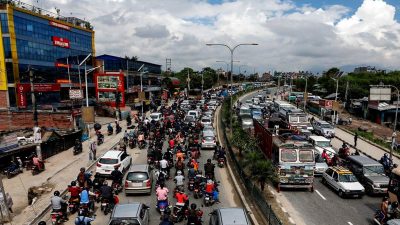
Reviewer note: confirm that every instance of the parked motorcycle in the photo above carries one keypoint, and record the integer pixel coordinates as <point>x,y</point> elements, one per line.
<point>77,149</point>
<point>118,129</point>
<point>9,172</point>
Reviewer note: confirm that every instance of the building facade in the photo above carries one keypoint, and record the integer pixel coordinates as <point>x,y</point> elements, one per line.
<point>132,80</point>
<point>43,46</point>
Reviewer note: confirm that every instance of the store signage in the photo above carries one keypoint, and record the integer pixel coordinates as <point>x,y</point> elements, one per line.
<point>59,25</point>
<point>62,81</point>
<point>60,42</point>
<point>75,94</point>
<point>63,65</point>
<point>23,89</point>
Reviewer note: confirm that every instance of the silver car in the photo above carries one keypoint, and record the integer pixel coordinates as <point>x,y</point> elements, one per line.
<point>208,140</point>
<point>132,213</point>
<point>139,180</point>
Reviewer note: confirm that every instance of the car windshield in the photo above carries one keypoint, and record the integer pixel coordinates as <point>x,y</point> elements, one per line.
<point>154,117</point>
<point>293,119</point>
<point>306,156</point>
<point>209,139</point>
<point>137,176</point>
<point>325,125</point>
<point>124,222</point>
<point>206,120</point>
<point>323,143</point>
<point>288,155</point>
<point>373,170</point>
<point>245,111</point>
<point>189,119</point>
<point>347,178</point>
<point>108,161</point>
<point>302,119</point>
<point>319,159</point>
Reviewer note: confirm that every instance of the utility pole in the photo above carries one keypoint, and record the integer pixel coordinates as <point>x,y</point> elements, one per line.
<point>4,212</point>
<point>305,95</point>
<point>36,129</point>
<point>346,94</point>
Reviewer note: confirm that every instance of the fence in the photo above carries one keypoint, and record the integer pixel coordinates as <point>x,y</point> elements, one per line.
<point>255,193</point>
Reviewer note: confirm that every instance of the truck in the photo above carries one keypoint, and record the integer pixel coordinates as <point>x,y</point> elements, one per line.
<point>292,156</point>
<point>293,118</point>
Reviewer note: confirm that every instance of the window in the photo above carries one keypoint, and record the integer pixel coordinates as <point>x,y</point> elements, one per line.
<point>373,170</point>
<point>335,176</point>
<point>29,27</point>
<point>347,178</point>
<point>306,156</point>
<point>329,172</point>
<point>122,221</point>
<point>288,155</point>
<point>137,176</point>
<point>108,161</point>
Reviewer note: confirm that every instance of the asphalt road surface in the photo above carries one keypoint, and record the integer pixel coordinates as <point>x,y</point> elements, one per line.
<point>227,196</point>
<point>324,206</point>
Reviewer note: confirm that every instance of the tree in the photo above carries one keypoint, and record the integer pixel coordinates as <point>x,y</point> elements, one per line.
<point>332,72</point>
<point>264,171</point>
<point>251,159</point>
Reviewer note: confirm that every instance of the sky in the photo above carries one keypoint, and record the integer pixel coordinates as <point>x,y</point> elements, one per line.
<point>292,35</point>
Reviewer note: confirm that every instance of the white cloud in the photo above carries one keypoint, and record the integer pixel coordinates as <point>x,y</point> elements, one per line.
<point>290,37</point>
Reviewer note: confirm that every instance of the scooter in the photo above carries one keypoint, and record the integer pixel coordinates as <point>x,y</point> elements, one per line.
<point>162,207</point>
<point>105,206</point>
<point>56,218</point>
<point>221,162</point>
<point>177,213</point>
<point>11,173</point>
<point>77,149</point>
<point>73,205</point>
<point>36,170</point>
<point>117,188</point>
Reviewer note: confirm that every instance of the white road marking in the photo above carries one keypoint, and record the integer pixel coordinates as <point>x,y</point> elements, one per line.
<point>320,195</point>
<point>349,223</point>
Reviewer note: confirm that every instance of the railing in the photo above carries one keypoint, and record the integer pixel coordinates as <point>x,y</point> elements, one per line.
<point>72,20</point>
<point>255,193</point>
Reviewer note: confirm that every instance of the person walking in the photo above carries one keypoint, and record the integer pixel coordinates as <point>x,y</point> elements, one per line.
<point>355,139</point>
<point>92,152</point>
<point>9,202</point>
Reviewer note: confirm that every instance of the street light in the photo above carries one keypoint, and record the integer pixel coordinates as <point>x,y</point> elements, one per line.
<point>232,51</point>
<point>334,111</point>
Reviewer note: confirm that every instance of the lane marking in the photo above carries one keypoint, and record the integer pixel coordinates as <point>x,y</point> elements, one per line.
<point>349,223</point>
<point>320,195</point>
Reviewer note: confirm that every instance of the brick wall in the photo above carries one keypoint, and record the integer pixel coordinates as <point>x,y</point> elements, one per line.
<point>3,99</point>
<point>21,120</point>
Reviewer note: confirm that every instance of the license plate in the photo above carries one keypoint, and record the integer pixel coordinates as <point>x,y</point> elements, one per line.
<point>107,171</point>
<point>355,196</point>
<point>136,184</point>
<point>207,198</point>
<point>103,204</point>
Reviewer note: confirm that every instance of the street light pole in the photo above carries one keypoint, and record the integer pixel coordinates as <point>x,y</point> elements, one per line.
<point>336,95</point>
<point>227,66</point>
<point>305,94</point>
<point>36,129</point>
<point>232,50</point>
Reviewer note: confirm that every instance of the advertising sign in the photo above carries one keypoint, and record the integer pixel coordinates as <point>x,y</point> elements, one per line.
<point>60,42</point>
<point>75,94</point>
<point>380,93</point>
<point>62,65</point>
<point>88,114</point>
<point>59,25</point>
<point>325,103</point>
<point>23,89</point>
<point>37,135</point>
<point>107,84</point>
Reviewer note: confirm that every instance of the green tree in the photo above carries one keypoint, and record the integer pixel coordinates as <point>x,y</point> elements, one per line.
<point>332,72</point>
<point>264,170</point>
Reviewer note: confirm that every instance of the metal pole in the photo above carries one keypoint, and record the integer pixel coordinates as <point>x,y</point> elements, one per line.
<point>305,94</point>
<point>334,112</point>
<point>395,123</point>
<point>231,127</point>
<point>35,113</point>
<point>79,74</point>
<point>3,205</point>
<point>141,88</point>
<point>69,75</point>
<point>86,88</point>
<point>127,75</point>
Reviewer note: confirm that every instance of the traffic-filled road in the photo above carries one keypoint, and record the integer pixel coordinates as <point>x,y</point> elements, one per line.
<point>228,197</point>
<point>324,206</point>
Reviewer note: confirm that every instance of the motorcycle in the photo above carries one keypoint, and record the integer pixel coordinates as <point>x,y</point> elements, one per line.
<point>221,162</point>
<point>208,199</point>
<point>132,143</point>
<point>378,217</point>
<point>84,209</point>
<point>56,217</point>
<point>118,129</point>
<point>110,132</point>
<point>150,162</point>
<point>100,139</point>
<point>36,170</point>
<point>197,193</point>
<point>28,162</point>
<point>199,217</point>
<point>73,205</point>
<point>162,207</point>
<point>142,144</point>
<point>77,149</point>
<point>105,206</point>
<point>177,214</point>
<point>117,188</point>
<point>12,172</point>
<point>191,184</point>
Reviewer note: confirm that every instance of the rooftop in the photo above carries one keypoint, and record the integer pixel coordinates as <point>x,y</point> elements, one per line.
<point>50,15</point>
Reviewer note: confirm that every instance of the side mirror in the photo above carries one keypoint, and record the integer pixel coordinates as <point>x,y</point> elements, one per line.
<point>249,212</point>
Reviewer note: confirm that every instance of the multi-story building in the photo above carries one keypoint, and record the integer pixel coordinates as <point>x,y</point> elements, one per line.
<point>130,80</point>
<point>45,46</point>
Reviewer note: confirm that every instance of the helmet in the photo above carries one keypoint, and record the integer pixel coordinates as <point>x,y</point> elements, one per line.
<point>42,223</point>
<point>105,183</point>
<point>179,172</point>
<point>82,169</point>
<point>324,150</point>
<point>193,206</point>
<point>209,160</point>
<point>73,183</point>
<point>395,204</point>
<point>56,193</point>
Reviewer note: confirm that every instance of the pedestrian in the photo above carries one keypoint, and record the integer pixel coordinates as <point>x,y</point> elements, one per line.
<point>92,152</point>
<point>355,139</point>
<point>9,202</point>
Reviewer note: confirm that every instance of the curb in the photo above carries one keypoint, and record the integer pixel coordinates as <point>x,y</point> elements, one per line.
<point>238,190</point>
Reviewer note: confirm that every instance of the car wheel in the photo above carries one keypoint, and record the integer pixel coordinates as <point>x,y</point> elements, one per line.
<point>341,193</point>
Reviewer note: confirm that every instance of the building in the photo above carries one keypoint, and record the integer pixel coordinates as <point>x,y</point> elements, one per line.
<point>113,66</point>
<point>368,69</point>
<point>46,46</point>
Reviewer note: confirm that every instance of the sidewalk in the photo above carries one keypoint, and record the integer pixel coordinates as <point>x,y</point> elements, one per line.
<point>61,169</point>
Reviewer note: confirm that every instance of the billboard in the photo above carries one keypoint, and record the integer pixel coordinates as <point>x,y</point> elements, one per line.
<point>60,42</point>
<point>75,94</point>
<point>59,25</point>
<point>107,85</point>
<point>380,93</point>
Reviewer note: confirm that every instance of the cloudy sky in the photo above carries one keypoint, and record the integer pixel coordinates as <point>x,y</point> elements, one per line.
<point>292,34</point>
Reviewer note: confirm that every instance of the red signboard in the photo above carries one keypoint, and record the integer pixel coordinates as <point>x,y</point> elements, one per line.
<point>63,65</point>
<point>23,89</point>
<point>61,42</point>
<point>59,25</point>
<point>106,86</point>
<point>325,103</point>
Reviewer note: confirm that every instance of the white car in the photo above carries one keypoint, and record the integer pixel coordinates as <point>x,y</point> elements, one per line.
<point>324,129</point>
<point>112,159</point>
<point>343,181</point>
<point>320,144</point>
<point>156,116</point>
<point>206,121</point>
<point>194,113</point>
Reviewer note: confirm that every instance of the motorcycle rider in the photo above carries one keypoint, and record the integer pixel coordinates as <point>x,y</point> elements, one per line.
<point>192,215</point>
<point>107,193</point>
<point>141,138</point>
<point>85,198</point>
<point>83,219</point>
<point>179,166</point>
<point>166,221</point>
<point>162,193</point>
<point>168,155</point>
<point>59,205</point>
<point>222,153</point>
<point>386,162</point>
<point>128,120</point>
<point>179,180</point>
<point>182,199</point>
<point>37,162</point>
<point>164,166</point>
<point>81,177</point>
<point>126,136</point>
<point>74,190</point>
<point>116,176</point>
<point>209,169</point>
